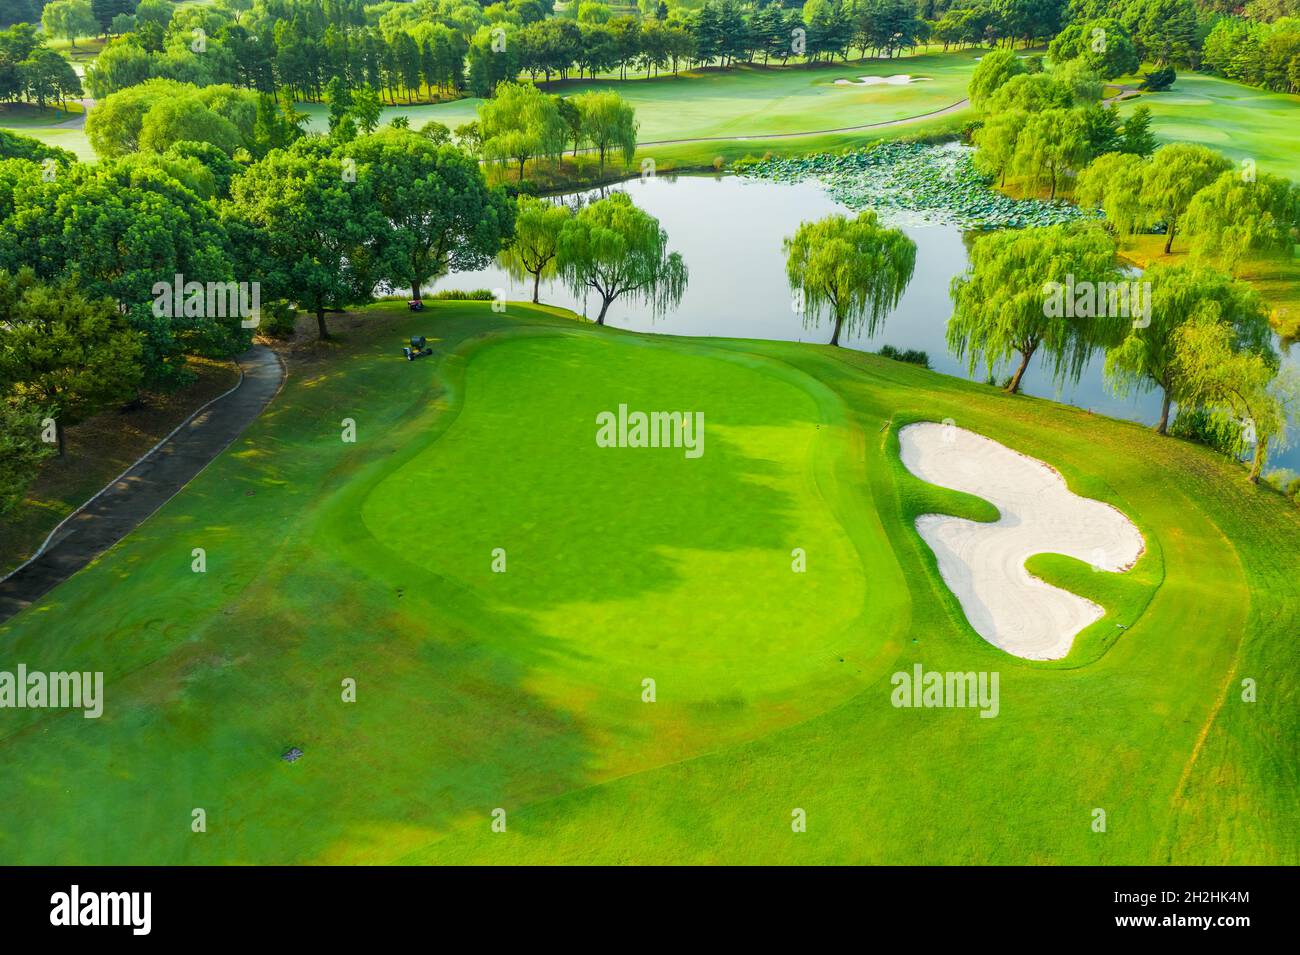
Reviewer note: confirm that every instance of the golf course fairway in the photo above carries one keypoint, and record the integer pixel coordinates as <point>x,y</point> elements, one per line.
<point>501,588</point>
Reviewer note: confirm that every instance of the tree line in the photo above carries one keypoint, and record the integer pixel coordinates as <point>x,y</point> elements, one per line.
<point>431,49</point>
<point>1255,52</point>
<point>1189,331</point>
<point>1207,347</point>
<point>30,71</point>
<point>434,48</point>
<point>90,254</point>
<point>519,124</point>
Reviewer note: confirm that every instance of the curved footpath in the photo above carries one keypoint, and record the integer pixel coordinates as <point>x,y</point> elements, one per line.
<point>147,485</point>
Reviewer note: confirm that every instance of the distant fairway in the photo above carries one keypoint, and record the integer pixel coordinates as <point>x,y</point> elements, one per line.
<point>751,101</point>
<point>54,127</point>
<point>372,560</point>
<point>73,140</point>
<point>1239,121</point>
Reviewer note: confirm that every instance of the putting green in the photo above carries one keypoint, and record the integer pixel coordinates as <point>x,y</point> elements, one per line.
<point>371,560</point>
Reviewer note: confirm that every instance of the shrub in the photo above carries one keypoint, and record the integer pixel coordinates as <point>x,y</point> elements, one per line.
<point>1158,80</point>
<point>279,320</point>
<point>911,356</point>
<point>1215,431</point>
<point>462,295</point>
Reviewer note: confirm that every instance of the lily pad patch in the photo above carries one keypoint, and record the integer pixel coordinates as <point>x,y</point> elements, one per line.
<point>917,184</point>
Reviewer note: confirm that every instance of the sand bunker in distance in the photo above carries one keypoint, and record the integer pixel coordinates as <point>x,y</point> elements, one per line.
<point>901,79</point>
<point>984,564</point>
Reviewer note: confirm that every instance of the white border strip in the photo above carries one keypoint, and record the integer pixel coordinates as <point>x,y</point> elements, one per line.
<point>58,527</point>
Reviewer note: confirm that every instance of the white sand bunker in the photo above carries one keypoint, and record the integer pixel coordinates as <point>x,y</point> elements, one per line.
<point>900,79</point>
<point>984,564</point>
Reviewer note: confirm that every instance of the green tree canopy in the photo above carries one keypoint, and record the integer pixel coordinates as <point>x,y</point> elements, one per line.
<point>520,123</point>
<point>1241,391</point>
<point>534,251</point>
<point>64,352</point>
<point>175,120</point>
<point>1236,215</point>
<point>1174,175</point>
<point>852,271</point>
<point>1031,92</point>
<point>994,69</point>
<point>1103,44</point>
<point>21,449</point>
<point>439,214</point>
<point>115,229</point>
<point>307,227</point>
<point>1147,357</point>
<point>1113,183</point>
<point>1002,303</point>
<point>1051,145</point>
<point>143,117</point>
<point>996,141</point>
<point>608,123</point>
<point>69,19</point>
<point>614,249</point>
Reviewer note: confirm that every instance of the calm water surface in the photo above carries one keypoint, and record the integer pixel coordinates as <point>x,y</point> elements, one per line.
<point>729,230</point>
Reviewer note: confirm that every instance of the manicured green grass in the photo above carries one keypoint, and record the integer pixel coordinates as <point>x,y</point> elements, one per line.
<point>28,116</point>
<point>1239,121</point>
<point>753,101</point>
<point>522,690</point>
<point>73,140</point>
<point>746,101</point>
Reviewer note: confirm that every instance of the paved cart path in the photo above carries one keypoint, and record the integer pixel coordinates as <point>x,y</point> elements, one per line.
<point>147,485</point>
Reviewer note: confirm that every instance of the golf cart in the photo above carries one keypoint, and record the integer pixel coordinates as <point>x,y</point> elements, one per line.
<point>417,348</point>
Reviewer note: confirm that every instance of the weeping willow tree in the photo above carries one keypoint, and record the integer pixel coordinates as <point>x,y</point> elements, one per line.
<point>533,251</point>
<point>1148,356</point>
<point>853,271</point>
<point>1173,177</point>
<point>1236,388</point>
<point>1011,301</point>
<point>614,249</point>
<point>1235,216</point>
<point>1113,183</point>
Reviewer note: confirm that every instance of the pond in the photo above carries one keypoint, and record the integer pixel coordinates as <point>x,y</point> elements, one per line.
<point>729,230</point>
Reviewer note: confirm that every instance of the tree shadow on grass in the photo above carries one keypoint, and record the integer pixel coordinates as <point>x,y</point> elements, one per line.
<point>210,677</point>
